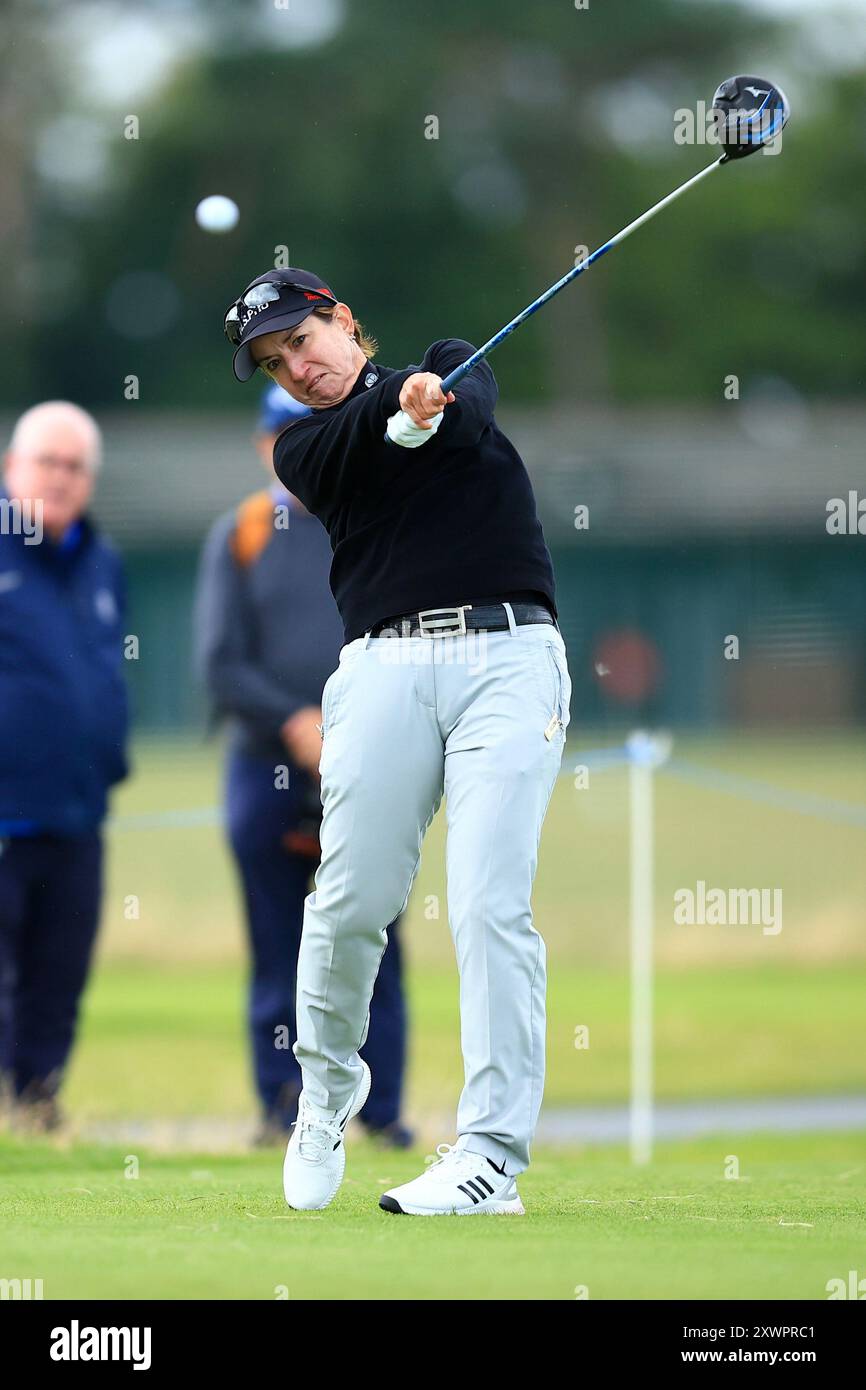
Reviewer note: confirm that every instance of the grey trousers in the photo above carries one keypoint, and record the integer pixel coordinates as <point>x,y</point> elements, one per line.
<point>482,718</point>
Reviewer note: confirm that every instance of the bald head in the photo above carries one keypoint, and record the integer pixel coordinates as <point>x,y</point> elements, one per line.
<point>55,422</point>
<point>53,457</point>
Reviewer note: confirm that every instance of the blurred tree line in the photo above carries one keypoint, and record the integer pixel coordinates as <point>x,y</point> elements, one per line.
<point>554,127</point>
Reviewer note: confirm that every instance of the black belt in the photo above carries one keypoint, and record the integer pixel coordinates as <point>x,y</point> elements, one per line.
<point>453,622</point>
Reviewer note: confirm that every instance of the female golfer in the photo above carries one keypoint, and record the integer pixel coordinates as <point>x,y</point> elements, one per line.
<point>452,678</point>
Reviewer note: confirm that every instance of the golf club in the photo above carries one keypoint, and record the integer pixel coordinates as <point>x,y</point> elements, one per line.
<point>751,113</point>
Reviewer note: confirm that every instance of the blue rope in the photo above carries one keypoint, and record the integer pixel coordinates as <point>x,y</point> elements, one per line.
<point>801,803</point>
<point>598,759</point>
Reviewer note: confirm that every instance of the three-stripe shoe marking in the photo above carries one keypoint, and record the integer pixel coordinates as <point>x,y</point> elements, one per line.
<point>457,1183</point>
<point>473,1188</point>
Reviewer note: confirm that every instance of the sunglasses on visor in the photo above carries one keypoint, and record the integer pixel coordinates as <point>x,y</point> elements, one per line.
<point>257,297</point>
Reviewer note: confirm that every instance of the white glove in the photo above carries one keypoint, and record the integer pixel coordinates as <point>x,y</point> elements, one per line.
<point>403,430</point>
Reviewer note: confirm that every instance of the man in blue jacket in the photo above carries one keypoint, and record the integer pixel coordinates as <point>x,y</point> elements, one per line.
<point>268,634</point>
<point>63,727</point>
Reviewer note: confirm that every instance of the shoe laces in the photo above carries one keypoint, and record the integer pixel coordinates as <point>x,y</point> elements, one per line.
<point>453,1159</point>
<point>317,1136</point>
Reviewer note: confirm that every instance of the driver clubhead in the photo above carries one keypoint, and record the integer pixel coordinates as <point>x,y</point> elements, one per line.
<point>752,113</point>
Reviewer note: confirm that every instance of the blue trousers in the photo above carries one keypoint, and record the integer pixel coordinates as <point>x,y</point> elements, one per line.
<point>50,891</point>
<point>266,833</point>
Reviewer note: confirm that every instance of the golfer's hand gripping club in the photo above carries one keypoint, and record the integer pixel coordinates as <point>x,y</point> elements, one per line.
<point>422,409</point>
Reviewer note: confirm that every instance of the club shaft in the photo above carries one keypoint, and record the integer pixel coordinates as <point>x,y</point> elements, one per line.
<point>466,367</point>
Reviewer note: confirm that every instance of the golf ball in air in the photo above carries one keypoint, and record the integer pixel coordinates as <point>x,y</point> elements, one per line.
<point>217,214</point>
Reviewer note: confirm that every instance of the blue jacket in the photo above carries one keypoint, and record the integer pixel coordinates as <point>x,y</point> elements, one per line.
<point>63,702</point>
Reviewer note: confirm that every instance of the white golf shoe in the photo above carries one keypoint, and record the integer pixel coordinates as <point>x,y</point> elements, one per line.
<point>458,1183</point>
<point>316,1157</point>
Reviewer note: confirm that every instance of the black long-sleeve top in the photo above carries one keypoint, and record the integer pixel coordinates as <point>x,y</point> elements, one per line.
<point>451,522</point>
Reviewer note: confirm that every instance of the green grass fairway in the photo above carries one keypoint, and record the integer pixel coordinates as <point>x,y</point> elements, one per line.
<point>218,1227</point>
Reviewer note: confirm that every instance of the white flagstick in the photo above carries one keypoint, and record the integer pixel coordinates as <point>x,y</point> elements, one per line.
<point>647,753</point>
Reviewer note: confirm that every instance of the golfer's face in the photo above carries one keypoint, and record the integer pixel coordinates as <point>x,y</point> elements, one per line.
<point>316,361</point>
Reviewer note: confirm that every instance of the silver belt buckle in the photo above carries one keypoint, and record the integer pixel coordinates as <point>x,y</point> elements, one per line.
<point>440,624</point>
